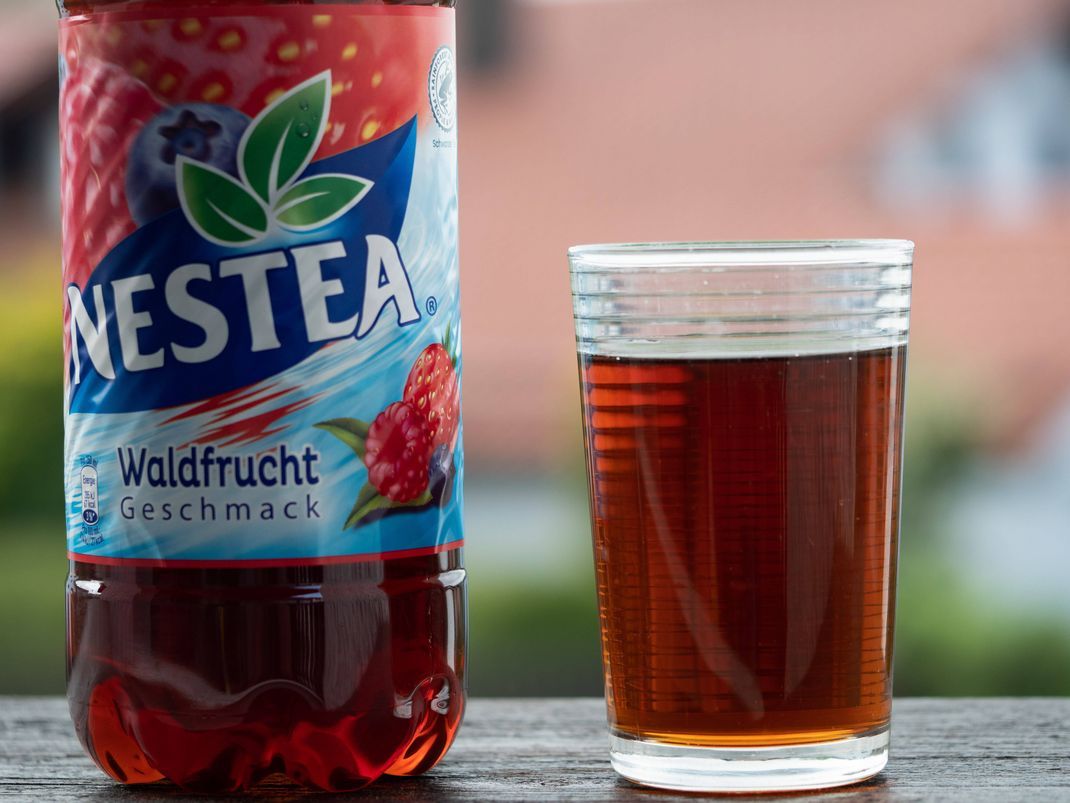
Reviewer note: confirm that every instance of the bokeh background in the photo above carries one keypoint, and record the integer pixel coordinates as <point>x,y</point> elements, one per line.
<point>596,120</point>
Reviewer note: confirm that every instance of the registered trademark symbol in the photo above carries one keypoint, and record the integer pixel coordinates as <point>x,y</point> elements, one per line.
<point>432,305</point>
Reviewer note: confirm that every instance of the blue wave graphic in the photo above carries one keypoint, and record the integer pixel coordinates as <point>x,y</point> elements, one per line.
<point>158,248</point>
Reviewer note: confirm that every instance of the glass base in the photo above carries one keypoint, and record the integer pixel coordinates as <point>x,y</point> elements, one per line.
<point>746,769</point>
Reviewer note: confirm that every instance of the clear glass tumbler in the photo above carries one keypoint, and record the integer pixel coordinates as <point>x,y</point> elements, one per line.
<point>742,411</point>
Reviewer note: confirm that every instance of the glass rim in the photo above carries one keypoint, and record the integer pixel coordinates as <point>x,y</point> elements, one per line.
<point>741,254</point>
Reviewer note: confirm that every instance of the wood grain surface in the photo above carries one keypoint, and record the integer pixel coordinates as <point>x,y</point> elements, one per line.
<point>942,749</point>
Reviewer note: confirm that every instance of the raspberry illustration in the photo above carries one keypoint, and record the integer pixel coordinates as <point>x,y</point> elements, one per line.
<point>207,132</point>
<point>398,452</point>
<point>433,390</point>
<point>102,109</point>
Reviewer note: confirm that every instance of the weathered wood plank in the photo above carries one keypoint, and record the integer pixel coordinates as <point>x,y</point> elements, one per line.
<point>968,750</point>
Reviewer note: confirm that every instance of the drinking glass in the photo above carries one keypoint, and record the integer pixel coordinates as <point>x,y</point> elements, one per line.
<point>742,407</point>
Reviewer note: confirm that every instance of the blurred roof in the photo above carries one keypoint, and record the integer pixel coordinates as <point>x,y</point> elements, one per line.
<point>27,46</point>
<point>687,119</point>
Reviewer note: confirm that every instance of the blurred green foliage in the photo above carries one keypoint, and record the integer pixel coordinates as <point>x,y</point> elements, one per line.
<point>31,618</point>
<point>953,637</point>
<point>529,634</point>
<point>31,491</point>
<point>31,404</point>
<point>534,639</point>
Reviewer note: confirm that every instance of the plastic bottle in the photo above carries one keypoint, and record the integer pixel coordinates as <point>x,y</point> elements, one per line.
<point>263,449</point>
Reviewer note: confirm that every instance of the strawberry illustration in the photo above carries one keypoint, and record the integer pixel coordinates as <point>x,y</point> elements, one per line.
<point>433,390</point>
<point>398,453</point>
<point>102,109</point>
<point>246,63</point>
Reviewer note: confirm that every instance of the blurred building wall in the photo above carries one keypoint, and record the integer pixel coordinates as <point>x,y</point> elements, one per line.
<point>686,119</point>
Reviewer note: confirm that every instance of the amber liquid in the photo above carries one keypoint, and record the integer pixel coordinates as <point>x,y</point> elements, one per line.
<point>745,516</point>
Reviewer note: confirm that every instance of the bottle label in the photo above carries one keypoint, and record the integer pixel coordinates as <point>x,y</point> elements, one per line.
<point>260,284</point>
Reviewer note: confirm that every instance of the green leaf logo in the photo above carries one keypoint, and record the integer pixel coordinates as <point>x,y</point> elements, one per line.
<point>274,152</point>
<point>317,201</point>
<point>281,140</point>
<point>218,206</point>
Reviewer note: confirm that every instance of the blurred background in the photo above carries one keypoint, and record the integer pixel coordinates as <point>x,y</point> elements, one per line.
<point>601,120</point>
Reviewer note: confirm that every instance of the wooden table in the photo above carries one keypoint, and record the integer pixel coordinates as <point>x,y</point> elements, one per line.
<point>942,749</point>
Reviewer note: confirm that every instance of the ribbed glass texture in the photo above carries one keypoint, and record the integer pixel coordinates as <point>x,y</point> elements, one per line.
<point>738,299</point>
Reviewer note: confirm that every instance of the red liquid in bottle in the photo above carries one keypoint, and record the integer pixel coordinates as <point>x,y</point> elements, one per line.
<point>216,678</point>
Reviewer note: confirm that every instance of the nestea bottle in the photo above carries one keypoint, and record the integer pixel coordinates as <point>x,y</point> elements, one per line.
<point>263,436</point>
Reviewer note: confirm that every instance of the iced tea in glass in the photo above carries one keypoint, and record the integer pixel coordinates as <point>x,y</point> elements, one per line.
<point>743,423</point>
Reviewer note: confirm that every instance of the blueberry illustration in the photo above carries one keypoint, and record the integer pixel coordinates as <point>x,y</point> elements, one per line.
<point>440,475</point>
<point>206,132</point>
